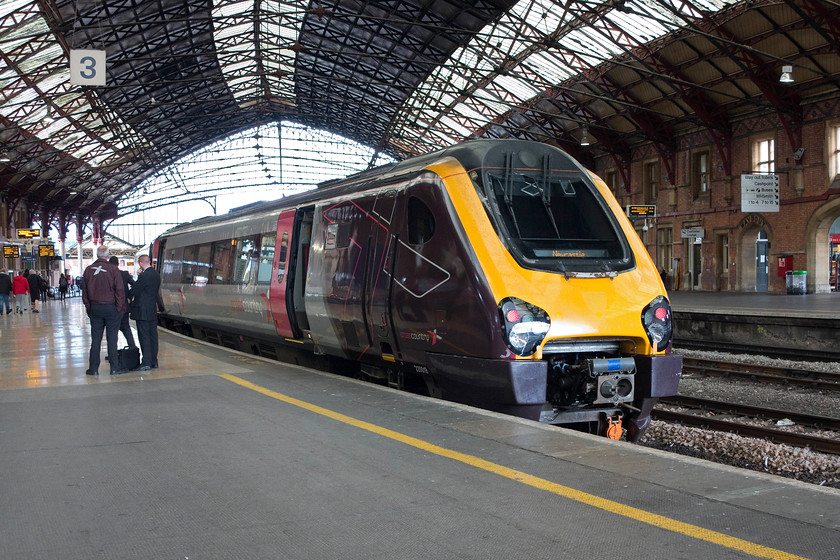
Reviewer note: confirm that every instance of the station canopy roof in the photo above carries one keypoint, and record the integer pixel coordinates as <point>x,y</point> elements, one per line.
<point>401,76</point>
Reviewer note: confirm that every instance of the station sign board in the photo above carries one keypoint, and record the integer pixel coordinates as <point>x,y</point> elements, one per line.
<point>46,251</point>
<point>28,233</point>
<point>692,232</point>
<point>759,193</point>
<point>641,211</point>
<point>11,251</point>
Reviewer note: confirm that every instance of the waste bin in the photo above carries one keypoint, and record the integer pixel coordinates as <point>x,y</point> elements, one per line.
<point>796,282</point>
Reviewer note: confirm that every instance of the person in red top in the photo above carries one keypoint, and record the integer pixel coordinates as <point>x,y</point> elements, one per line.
<point>104,298</point>
<point>20,287</point>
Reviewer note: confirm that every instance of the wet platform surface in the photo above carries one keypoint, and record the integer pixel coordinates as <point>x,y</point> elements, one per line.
<point>218,454</point>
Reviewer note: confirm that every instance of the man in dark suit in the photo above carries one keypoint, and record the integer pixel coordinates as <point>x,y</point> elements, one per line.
<point>144,301</point>
<point>125,328</point>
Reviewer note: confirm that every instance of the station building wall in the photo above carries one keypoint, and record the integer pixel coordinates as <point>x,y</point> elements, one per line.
<point>704,195</point>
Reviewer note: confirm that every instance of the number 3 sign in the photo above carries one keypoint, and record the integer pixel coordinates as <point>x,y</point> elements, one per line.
<point>87,67</point>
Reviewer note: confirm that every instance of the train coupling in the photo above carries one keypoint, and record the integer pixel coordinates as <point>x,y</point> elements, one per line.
<point>612,427</point>
<point>615,379</point>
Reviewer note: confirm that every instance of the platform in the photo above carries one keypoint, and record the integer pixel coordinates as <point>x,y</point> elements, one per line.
<point>823,306</point>
<point>218,454</point>
<point>794,325</point>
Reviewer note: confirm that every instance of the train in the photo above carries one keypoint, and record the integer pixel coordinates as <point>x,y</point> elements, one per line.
<point>496,273</point>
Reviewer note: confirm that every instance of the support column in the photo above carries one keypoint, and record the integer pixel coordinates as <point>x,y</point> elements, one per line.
<point>80,237</point>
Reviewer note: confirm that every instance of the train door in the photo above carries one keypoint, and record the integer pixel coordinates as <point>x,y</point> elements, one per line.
<point>762,250</point>
<point>380,266</point>
<point>284,319</point>
<point>297,269</point>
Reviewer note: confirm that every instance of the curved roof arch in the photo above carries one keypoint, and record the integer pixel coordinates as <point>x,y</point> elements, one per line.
<point>400,76</point>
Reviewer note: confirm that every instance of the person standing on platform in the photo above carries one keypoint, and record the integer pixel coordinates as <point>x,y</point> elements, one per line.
<point>20,287</point>
<point>104,298</point>
<point>125,328</point>
<point>34,289</point>
<point>144,302</point>
<point>62,287</point>
<point>5,293</point>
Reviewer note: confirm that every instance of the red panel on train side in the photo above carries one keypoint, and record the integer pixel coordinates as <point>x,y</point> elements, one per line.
<point>277,299</point>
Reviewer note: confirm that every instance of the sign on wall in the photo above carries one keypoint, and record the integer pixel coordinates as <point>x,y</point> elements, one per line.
<point>759,193</point>
<point>87,67</point>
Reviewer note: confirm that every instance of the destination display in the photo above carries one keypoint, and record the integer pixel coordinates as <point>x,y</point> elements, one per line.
<point>11,251</point>
<point>28,233</point>
<point>46,251</point>
<point>641,211</point>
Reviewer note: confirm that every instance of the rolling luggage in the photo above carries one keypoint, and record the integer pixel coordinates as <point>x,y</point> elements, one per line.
<point>129,358</point>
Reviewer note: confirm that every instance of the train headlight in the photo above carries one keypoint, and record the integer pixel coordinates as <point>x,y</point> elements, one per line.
<point>525,325</point>
<point>656,319</point>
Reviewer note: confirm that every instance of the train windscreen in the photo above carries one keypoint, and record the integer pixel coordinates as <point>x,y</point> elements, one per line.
<point>555,220</point>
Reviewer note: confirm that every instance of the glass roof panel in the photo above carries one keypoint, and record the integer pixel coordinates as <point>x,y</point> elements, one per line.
<point>45,60</point>
<point>528,36</point>
<point>246,37</point>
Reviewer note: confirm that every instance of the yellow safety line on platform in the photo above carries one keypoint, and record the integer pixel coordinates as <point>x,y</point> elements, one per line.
<point>656,520</point>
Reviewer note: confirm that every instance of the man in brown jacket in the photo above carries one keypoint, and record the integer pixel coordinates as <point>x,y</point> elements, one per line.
<point>104,298</point>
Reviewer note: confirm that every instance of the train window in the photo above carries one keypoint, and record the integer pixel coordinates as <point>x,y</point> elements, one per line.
<point>245,262</point>
<point>266,258</point>
<point>172,266</point>
<point>201,270</point>
<point>221,262</point>
<point>281,259</point>
<point>561,217</point>
<point>421,221</point>
<point>188,263</point>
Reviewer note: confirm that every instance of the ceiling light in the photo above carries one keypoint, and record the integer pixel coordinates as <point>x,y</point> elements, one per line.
<point>787,75</point>
<point>584,140</point>
<point>5,158</point>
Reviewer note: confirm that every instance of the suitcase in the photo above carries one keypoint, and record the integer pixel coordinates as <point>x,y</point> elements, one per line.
<point>129,358</point>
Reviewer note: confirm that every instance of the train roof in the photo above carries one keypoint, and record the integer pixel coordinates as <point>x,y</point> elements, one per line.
<point>470,154</point>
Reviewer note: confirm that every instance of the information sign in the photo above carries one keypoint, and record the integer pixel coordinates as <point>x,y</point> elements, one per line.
<point>692,232</point>
<point>11,251</point>
<point>87,67</point>
<point>759,193</point>
<point>641,211</point>
<point>28,233</point>
<point>46,251</point>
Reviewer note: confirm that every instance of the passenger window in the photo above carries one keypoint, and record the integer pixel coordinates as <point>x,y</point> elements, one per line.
<point>281,260</point>
<point>221,261</point>
<point>266,259</point>
<point>245,261</point>
<point>421,222</point>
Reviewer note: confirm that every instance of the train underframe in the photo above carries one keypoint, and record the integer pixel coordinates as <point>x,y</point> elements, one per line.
<point>611,396</point>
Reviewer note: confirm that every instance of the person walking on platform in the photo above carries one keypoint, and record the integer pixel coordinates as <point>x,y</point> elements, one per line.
<point>5,293</point>
<point>144,302</point>
<point>62,287</point>
<point>104,298</point>
<point>34,289</point>
<point>125,328</point>
<point>20,287</point>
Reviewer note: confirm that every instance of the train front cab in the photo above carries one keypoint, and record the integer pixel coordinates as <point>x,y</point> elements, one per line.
<point>585,324</point>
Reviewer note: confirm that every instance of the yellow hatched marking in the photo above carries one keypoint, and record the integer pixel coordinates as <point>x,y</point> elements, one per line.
<point>611,506</point>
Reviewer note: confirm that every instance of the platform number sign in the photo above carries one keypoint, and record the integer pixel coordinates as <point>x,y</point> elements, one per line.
<point>87,67</point>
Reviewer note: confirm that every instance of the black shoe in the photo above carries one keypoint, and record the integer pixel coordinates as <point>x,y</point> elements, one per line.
<point>144,368</point>
<point>35,311</point>
<point>88,372</point>
<point>118,371</point>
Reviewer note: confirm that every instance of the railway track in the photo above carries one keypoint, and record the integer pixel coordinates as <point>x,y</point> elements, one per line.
<point>777,435</point>
<point>770,352</point>
<point>779,375</point>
